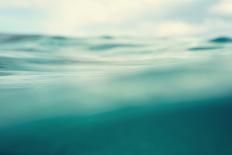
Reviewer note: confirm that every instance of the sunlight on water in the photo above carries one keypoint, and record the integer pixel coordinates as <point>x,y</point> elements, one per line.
<point>115,95</point>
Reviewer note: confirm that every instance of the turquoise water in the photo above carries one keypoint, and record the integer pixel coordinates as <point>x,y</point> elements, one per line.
<point>115,95</point>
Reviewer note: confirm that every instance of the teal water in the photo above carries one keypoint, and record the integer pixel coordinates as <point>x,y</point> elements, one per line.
<point>115,95</point>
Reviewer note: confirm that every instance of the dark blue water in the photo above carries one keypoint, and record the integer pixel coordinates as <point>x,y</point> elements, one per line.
<point>115,95</point>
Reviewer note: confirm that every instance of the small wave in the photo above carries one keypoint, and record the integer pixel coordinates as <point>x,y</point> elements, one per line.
<point>221,40</point>
<point>204,48</point>
<point>107,37</point>
<point>14,38</point>
<point>35,43</point>
<point>112,46</point>
<point>11,38</point>
<point>40,43</point>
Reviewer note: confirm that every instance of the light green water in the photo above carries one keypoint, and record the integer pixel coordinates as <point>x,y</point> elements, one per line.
<point>115,95</point>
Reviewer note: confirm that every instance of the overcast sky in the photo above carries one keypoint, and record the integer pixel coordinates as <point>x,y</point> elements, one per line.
<point>117,17</point>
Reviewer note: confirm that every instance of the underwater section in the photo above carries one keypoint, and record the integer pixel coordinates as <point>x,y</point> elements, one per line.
<point>115,95</point>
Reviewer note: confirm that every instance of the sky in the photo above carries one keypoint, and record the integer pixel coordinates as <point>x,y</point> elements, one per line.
<point>117,17</point>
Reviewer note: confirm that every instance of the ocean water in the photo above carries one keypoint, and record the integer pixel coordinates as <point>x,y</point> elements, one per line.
<point>111,95</point>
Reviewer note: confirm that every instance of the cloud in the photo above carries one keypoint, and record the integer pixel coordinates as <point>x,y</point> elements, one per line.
<point>116,17</point>
<point>224,7</point>
<point>73,16</point>
<point>84,17</point>
<point>170,28</point>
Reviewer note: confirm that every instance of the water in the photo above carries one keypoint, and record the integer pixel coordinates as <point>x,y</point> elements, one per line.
<point>115,95</point>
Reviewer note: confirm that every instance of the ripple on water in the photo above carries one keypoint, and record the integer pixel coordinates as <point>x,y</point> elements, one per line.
<point>204,48</point>
<point>221,40</point>
<point>109,46</point>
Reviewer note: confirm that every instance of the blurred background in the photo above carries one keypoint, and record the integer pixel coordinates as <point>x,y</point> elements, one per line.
<point>117,17</point>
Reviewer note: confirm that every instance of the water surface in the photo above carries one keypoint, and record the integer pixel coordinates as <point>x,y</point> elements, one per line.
<point>115,95</point>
